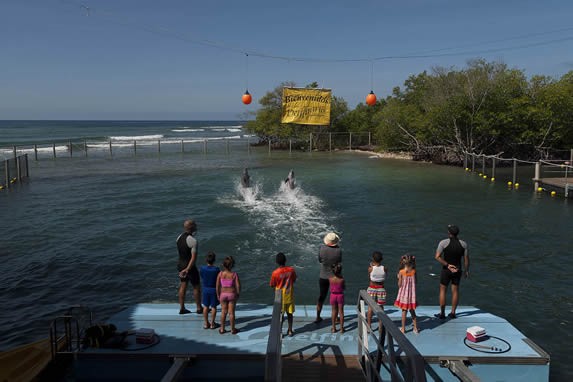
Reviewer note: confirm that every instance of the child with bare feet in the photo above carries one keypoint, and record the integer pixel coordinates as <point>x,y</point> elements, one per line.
<point>377,275</point>
<point>283,278</point>
<point>337,297</point>
<point>209,298</point>
<point>228,290</point>
<point>406,299</point>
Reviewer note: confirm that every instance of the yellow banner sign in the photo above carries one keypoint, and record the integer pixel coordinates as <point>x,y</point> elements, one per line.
<point>306,106</point>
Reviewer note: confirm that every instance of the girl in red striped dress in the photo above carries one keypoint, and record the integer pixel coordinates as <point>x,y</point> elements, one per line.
<point>406,299</point>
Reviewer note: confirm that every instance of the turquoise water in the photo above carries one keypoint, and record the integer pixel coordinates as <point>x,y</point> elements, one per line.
<point>101,231</point>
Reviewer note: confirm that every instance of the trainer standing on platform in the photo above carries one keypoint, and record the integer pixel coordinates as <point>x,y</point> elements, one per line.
<point>450,253</point>
<point>188,273</point>
<point>328,255</point>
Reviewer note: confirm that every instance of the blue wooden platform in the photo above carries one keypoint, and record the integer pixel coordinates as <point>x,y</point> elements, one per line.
<point>437,340</point>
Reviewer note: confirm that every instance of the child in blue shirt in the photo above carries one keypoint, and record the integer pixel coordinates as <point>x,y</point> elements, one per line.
<point>210,302</point>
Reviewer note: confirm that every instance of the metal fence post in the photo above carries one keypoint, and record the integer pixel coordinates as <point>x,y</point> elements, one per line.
<point>290,146</point>
<point>159,145</point>
<point>7,171</point>
<point>86,148</point>
<point>134,147</point>
<point>350,141</point>
<point>182,147</point>
<point>36,151</point>
<point>71,150</point>
<point>537,174</point>
<point>18,170</point>
<point>473,162</point>
<point>465,160</point>
<point>15,152</point>
<point>514,179</point>
<point>54,149</point>
<point>269,146</point>
<point>27,167</point>
<point>204,147</point>
<point>483,164</point>
<point>110,149</point>
<point>310,143</point>
<point>493,168</point>
<point>227,146</point>
<point>329,141</point>
<point>369,139</point>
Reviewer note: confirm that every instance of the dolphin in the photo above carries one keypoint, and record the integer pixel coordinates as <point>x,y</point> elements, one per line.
<point>290,180</point>
<point>246,178</point>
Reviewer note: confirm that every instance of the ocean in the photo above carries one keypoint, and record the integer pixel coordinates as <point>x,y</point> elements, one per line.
<point>99,228</point>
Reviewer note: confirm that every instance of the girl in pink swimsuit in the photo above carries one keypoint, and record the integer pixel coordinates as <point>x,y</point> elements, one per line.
<point>228,289</point>
<point>337,297</point>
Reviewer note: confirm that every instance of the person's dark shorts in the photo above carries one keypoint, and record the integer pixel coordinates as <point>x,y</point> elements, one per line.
<point>323,285</point>
<point>192,277</point>
<point>209,298</point>
<point>447,276</point>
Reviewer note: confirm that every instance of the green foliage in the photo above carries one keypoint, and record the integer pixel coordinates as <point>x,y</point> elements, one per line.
<point>485,107</point>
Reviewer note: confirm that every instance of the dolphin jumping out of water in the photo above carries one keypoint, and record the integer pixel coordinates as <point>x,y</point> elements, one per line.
<point>246,179</point>
<point>290,180</point>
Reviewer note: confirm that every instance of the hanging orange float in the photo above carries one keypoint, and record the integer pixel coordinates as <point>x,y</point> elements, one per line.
<point>371,98</point>
<point>247,99</point>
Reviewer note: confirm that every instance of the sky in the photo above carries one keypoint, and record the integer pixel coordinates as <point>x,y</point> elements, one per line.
<point>188,60</point>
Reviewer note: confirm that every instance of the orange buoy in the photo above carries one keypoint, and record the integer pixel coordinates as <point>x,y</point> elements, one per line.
<point>371,98</point>
<point>247,99</point>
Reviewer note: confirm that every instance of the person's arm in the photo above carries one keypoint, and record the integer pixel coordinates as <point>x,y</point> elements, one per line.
<point>193,246</point>
<point>218,286</point>
<point>466,262</point>
<point>441,260</point>
<point>273,283</point>
<point>237,285</point>
<point>399,280</point>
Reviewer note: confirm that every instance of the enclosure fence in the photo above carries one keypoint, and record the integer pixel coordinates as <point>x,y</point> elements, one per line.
<point>220,145</point>
<point>542,174</point>
<point>15,170</point>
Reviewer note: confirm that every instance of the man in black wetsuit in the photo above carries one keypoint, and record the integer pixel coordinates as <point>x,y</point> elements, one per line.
<point>450,253</point>
<point>188,273</point>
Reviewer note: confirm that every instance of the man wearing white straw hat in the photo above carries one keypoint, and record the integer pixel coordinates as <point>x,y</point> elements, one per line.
<point>328,255</point>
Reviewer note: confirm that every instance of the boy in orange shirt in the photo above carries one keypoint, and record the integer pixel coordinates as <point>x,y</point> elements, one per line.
<point>283,278</point>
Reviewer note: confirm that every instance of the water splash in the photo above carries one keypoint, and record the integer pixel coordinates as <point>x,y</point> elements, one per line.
<point>288,217</point>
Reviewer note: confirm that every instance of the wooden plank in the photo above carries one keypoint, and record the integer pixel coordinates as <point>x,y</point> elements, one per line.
<point>322,368</point>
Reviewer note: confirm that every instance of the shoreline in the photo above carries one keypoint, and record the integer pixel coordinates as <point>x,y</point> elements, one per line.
<point>386,155</point>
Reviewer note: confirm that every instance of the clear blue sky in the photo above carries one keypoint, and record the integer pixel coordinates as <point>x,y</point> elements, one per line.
<point>150,59</point>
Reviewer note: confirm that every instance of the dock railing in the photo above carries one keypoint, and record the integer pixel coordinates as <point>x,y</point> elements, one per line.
<point>389,333</point>
<point>273,362</point>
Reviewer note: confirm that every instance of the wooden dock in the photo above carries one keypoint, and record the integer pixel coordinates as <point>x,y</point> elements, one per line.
<point>565,184</point>
<point>312,353</point>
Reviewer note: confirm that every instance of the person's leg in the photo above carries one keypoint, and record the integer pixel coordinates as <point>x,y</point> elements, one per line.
<point>341,312</point>
<point>323,285</point>
<point>197,296</point>
<point>290,320</point>
<point>232,316</point>
<point>205,318</point>
<point>370,313</point>
<point>443,289</point>
<point>224,307</point>
<point>333,317</point>
<point>213,316</point>
<point>414,322</point>
<point>182,292</point>
<point>455,299</point>
<point>403,328</point>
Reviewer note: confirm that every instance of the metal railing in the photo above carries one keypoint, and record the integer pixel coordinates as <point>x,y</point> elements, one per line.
<point>273,361</point>
<point>389,333</point>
